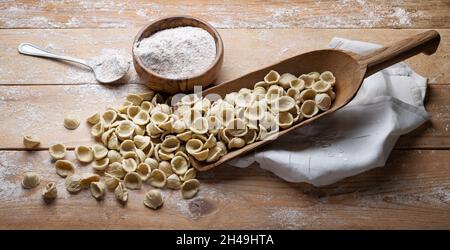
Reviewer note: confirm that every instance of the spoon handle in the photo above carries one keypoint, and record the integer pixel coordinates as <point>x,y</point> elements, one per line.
<point>33,50</point>
<point>426,42</point>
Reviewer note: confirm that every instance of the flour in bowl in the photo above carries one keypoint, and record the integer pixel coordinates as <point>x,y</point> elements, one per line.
<point>177,53</point>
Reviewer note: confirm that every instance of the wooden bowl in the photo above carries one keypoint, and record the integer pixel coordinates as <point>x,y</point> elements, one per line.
<point>160,83</point>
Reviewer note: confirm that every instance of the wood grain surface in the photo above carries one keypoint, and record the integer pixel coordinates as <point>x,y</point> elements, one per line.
<point>411,191</point>
<point>403,194</point>
<point>245,51</point>
<point>228,14</point>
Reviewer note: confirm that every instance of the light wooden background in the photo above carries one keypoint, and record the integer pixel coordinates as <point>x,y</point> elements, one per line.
<point>411,191</point>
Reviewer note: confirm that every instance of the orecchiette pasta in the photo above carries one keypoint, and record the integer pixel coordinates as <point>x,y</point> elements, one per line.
<point>193,146</point>
<point>93,119</point>
<point>64,168</point>
<point>111,181</point>
<point>134,99</point>
<point>321,86</point>
<point>71,122</point>
<point>98,129</point>
<point>170,144</point>
<point>307,79</point>
<point>285,80</point>
<point>114,156</point>
<point>73,183</point>
<point>99,151</point>
<point>57,151</point>
<point>272,77</point>
<point>88,178</point>
<point>30,180</point>
<point>49,192</point>
<point>190,188</point>
<point>132,180</point>
<point>115,169</point>
<point>84,154</point>
<point>190,174</point>
<point>125,129</point>
<point>166,167</point>
<point>153,199</point>
<point>285,103</point>
<point>328,77</point>
<point>141,142</point>
<point>141,118</point>
<point>30,141</point>
<point>129,165</point>
<point>109,117</point>
<point>323,101</point>
<point>314,75</point>
<point>179,165</point>
<point>121,193</point>
<point>100,165</point>
<point>173,182</point>
<point>307,94</point>
<point>158,178</point>
<point>309,108</point>
<point>98,189</point>
<point>152,163</point>
<point>144,171</point>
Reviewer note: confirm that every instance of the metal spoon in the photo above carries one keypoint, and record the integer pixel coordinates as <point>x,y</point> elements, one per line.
<point>33,50</point>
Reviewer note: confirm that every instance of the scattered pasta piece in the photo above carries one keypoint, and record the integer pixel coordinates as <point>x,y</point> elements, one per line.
<point>158,178</point>
<point>121,193</point>
<point>73,183</point>
<point>49,192</point>
<point>57,151</point>
<point>71,122</point>
<point>93,119</point>
<point>153,199</point>
<point>98,189</point>
<point>84,154</point>
<point>99,151</point>
<point>144,171</point>
<point>173,182</point>
<point>30,141</point>
<point>64,168</point>
<point>132,180</point>
<point>30,180</point>
<point>100,165</point>
<point>190,188</point>
<point>88,178</point>
<point>190,174</point>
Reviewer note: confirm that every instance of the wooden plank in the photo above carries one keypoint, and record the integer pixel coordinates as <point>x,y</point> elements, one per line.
<point>412,191</point>
<point>40,111</point>
<point>245,51</point>
<point>228,14</point>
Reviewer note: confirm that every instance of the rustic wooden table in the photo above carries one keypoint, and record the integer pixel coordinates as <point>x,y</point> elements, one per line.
<point>411,191</point>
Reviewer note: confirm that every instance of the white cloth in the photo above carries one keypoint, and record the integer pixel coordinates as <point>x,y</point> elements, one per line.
<point>356,138</point>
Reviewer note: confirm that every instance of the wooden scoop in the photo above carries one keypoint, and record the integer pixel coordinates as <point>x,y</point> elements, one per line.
<point>349,69</point>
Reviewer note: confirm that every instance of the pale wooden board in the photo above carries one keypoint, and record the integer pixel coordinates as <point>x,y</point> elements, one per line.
<point>227,14</point>
<point>40,111</point>
<point>412,191</point>
<point>245,51</point>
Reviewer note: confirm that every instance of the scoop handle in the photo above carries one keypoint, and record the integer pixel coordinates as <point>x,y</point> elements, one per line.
<point>426,42</point>
<point>33,50</point>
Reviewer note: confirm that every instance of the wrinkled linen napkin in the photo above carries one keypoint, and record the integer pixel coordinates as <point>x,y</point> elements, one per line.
<point>356,138</point>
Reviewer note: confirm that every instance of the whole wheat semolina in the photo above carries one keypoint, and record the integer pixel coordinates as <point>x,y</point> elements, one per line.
<point>177,53</point>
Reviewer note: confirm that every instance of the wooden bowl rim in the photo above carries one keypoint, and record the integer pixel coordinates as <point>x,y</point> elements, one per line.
<point>219,48</point>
